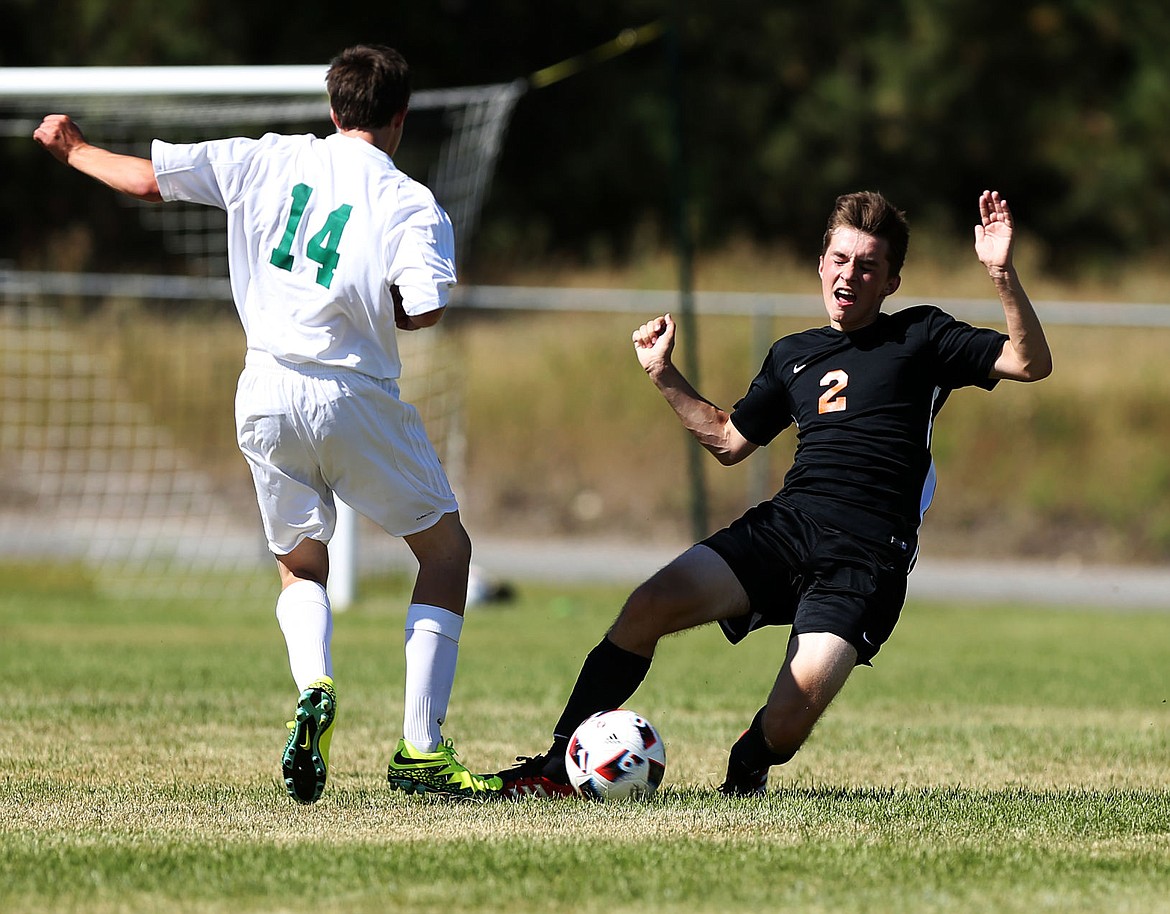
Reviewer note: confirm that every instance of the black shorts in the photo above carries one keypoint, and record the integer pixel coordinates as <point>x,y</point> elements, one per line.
<point>816,578</point>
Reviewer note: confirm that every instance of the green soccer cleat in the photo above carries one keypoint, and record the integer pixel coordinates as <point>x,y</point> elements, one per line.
<point>306,754</point>
<point>438,772</point>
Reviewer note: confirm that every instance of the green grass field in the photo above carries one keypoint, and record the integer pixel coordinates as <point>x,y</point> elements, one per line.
<point>996,759</point>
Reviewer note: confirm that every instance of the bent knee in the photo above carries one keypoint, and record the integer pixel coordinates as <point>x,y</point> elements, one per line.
<point>651,598</point>
<point>453,550</point>
<point>656,608</point>
<point>308,561</point>
<point>460,544</point>
<point>446,541</point>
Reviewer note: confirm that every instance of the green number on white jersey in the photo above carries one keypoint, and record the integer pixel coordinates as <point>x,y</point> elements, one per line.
<point>282,254</point>
<point>322,247</point>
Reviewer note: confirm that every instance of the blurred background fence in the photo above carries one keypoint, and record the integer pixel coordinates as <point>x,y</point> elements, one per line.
<point>728,140</point>
<point>117,448</point>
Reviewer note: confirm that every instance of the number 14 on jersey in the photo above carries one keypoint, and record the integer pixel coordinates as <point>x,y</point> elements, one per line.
<point>322,247</point>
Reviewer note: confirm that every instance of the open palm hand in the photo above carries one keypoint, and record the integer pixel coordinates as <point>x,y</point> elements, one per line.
<point>993,236</point>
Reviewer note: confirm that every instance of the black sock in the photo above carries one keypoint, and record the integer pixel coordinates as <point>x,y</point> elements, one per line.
<point>751,752</point>
<point>608,677</point>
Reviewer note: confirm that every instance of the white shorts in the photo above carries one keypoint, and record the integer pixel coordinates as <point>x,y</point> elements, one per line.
<point>308,431</point>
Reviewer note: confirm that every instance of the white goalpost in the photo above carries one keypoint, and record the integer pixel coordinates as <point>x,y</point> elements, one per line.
<point>112,393</point>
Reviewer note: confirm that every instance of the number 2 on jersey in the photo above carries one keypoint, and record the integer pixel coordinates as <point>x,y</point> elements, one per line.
<point>322,247</point>
<point>833,400</point>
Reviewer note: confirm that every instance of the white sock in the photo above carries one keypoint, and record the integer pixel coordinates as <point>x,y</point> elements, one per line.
<point>432,647</point>
<point>307,622</point>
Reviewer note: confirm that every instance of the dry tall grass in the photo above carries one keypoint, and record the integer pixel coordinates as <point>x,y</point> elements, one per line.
<point>565,436</point>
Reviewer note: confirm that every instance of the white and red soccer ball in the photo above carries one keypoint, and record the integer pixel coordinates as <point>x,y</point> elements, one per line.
<point>614,755</point>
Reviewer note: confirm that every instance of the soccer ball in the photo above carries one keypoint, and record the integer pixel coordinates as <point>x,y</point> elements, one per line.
<point>615,754</point>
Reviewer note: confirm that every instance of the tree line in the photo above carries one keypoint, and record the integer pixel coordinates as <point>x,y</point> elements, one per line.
<point>1063,105</point>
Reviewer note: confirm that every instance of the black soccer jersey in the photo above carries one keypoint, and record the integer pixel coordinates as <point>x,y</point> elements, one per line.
<point>864,405</point>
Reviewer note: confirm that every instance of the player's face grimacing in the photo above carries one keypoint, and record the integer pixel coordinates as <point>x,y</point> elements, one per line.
<point>855,278</point>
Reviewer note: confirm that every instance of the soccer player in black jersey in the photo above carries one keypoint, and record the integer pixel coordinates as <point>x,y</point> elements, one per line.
<point>830,553</point>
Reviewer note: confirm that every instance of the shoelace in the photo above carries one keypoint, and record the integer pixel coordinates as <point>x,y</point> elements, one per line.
<point>447,747</point>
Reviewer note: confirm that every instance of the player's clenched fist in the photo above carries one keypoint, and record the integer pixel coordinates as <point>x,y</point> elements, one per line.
<point>654,342</point>
<point>59,135</point>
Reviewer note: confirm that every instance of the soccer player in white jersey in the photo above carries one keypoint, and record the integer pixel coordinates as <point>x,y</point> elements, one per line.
<point>331,248</point>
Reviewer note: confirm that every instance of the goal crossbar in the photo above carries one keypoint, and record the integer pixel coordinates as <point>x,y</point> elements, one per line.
<point>212,95</point>
<point>242,80</point>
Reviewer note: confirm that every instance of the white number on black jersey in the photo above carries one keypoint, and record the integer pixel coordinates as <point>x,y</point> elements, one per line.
<point>833,400</point>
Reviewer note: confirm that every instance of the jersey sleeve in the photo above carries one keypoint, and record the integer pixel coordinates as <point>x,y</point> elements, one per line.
<point>966,354</point>
<point>766,409</point>
<point>210,173</point>
<point>422,253</point>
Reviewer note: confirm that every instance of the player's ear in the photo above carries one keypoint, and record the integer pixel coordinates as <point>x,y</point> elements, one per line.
<point>333,117</point>
<point>892,285</point>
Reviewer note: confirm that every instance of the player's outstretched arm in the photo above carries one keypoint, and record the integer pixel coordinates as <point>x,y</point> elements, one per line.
<point>1025,356</point>
<point>711,426</point>
<point>129,175</point>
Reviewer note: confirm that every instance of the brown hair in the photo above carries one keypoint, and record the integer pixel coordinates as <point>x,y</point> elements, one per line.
<point>871,213</point>
<point>368,85</point>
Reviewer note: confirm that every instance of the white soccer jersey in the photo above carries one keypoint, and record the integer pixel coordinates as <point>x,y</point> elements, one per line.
<point>318,232</point>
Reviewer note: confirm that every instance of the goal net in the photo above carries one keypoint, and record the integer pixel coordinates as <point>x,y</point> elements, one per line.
<point>117,450</point>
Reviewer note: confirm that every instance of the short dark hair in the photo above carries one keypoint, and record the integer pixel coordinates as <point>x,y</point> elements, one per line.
<point>871,213</point>
<point>368,85</point>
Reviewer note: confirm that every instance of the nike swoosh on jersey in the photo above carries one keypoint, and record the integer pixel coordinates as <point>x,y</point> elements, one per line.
<point>797,369</point>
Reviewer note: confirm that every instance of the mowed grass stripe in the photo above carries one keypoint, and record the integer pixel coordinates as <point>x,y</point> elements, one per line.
<point>996,759</point>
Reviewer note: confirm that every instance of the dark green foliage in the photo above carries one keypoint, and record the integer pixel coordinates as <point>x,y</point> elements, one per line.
<point>1065,107</point>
